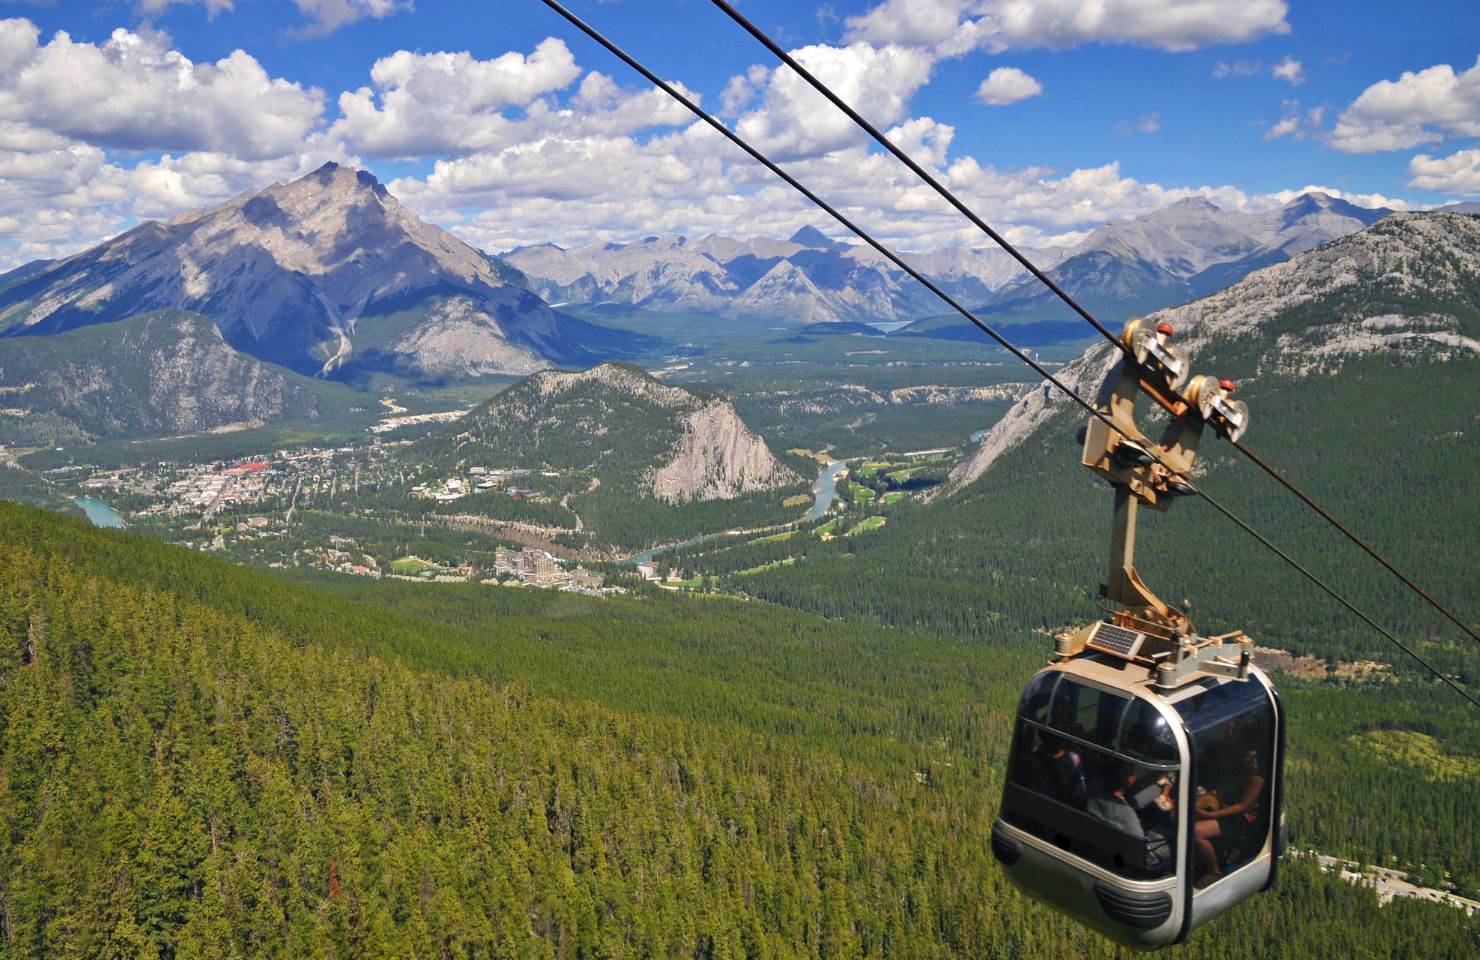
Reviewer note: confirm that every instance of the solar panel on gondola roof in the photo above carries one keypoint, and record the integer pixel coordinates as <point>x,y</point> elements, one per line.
<point>1119,641</point>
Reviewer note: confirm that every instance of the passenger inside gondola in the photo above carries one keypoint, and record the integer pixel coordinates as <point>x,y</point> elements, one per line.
<point>1116,805</point>
<point>1230,817</point>
<point>1063,771</point>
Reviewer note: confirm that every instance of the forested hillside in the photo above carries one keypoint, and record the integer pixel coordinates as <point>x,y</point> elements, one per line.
<point>204,761</point>
<point>616,456</point>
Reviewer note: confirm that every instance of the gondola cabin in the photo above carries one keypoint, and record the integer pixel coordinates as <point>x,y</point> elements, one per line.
<point>1143,792</point>
<point>1140,813</point>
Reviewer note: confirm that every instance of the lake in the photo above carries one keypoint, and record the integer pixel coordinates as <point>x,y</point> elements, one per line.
<point>99,512</point>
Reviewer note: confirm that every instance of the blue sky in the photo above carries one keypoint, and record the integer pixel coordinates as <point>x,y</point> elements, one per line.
<point>1090,110</point>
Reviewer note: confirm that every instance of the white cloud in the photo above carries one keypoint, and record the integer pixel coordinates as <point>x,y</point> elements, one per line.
<point>134,92</point>
<point>998,25</point>
<point>1289,70</point>
<point>794,120</point>
<point>326,16</point>
<point>213,7</point>
<point>1295,122</point>
<point>914,23</point>
<point>1006,85</point>
<point>1417,108</point>
<point>429,103</point>
<point>1458,173</point>
<point>1286,125</point>
<point>1238,68</point>
<point>1151,123</point>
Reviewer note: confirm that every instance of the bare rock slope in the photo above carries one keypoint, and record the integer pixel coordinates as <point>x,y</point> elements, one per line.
<point>320,275</point>
<point>161,373</point>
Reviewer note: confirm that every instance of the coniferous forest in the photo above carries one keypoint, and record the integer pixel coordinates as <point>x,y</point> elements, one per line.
<point>205,761</point>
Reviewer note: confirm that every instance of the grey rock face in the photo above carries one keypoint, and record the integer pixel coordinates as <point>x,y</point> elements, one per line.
<point>719,458</point>
<point>165,373</point>
<point>287,273</point>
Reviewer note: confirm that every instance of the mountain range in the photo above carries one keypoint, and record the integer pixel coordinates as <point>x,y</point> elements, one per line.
<point>807,278</point>
<point>328,275</point>
<point>1170,256</point>
<point>1174,255</point>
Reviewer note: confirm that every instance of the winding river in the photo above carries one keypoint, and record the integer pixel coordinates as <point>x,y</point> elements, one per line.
<point>824,493</point>
<point>827,487</point>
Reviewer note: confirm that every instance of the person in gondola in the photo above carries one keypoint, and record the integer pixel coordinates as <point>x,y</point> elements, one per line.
<point>1232,826</point>
<point>1063,771</point>
<point>1115,806</point>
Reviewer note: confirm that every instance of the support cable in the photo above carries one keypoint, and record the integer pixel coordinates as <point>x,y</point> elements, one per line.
<point>919,277</point>
<point>951,198</point>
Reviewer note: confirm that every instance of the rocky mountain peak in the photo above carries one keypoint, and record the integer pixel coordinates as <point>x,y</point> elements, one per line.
<point>288,271</point>
<point>1195,203</point>
<point>810,236</point>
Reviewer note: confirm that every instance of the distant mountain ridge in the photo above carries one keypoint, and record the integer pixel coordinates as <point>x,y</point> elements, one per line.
<point>328,275</point>
<point>1187,250</point>
<point>808,278</point>
<point>1174,255</point>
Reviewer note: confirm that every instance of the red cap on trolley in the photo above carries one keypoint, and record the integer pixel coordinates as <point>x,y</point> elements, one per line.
<point>1165,328</point>
<point>1228,385</point>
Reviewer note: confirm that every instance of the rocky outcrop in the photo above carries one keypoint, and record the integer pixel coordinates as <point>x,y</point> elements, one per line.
<point>719,458</point>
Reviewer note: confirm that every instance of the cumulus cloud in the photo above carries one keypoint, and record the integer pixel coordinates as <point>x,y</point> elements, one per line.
<point>1417,108</point>
<point>1457,174</point>
<point>1289,70</point>
<point>428,103</point>
<point>1006,85</point>
<point>998,25</point>
<point>134,92</point>
<point>793,120</point>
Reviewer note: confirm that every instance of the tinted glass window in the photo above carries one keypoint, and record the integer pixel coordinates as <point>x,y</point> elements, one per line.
<point>1146,735</point>
<point>1069,785</point>
<point>1086,712</point>
<point>1035,699</point>
<point>1232,730</point>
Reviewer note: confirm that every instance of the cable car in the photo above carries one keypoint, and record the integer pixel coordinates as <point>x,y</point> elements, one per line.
<point>1144,785</point>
